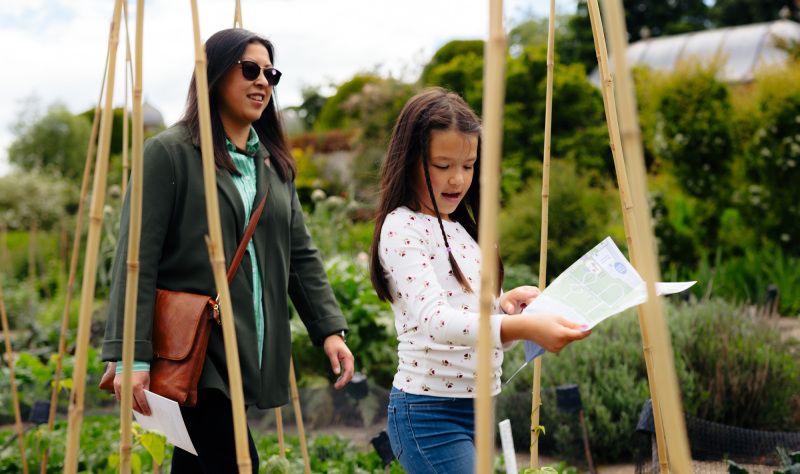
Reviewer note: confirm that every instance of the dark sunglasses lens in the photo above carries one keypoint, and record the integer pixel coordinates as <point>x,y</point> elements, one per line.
<point>250,70</point>
<point>273,76</point>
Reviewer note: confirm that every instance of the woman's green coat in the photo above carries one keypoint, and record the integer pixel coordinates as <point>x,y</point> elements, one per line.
<point>174,256</point>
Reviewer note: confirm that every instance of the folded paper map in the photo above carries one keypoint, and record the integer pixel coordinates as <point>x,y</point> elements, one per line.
<point>600,284</point>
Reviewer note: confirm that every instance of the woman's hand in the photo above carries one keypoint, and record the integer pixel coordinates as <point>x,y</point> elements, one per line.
<point>550,331</point>
<point>141,382</point>
<point>340,357</point>
<point>514,301</point>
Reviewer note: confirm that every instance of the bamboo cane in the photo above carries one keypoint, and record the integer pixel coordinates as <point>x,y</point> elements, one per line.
<point>237,16</point>
<point>217,254</point>
<point>298,416</point>
<point>10,360</point>
<point>134,238</point>
<point>128,72</point>
<point>63,239</point>
<point>279,422</point>
<point>493,92</point>
<point>124,182</point>
<point>586,443</point>
<point>3,247</point>
<point>548,120</point>
<point>32,252</point>
<point>645,250</point>
<point>628,216</point>
<point>76,244</point>
<point>90,265</point>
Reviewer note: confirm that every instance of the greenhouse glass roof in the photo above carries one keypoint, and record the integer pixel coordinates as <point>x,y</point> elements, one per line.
<point>742,48</point>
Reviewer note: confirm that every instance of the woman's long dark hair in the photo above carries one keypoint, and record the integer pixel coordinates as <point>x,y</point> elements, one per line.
<point>431,110</point>
<point>223,50</point>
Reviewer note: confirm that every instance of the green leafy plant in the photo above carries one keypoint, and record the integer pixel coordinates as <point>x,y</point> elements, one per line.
<point>732,367</point>
<point>152,441</point>
<point>371,322</point>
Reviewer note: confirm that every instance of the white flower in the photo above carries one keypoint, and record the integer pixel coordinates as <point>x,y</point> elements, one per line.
<point>318,195</point>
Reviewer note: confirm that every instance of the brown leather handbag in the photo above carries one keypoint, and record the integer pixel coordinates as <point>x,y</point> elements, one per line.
<point>181,326</point>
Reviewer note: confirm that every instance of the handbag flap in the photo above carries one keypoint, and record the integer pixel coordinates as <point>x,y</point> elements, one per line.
<point>176,319</point>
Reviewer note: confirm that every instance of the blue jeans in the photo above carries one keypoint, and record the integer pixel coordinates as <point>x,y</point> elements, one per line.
<point>432,434</point>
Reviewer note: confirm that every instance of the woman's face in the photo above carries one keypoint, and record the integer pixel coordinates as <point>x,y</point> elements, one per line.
<point>241,102</point>
<point>451,166</point>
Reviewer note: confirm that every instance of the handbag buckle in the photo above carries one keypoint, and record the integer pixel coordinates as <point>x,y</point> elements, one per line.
<point>216,312</point>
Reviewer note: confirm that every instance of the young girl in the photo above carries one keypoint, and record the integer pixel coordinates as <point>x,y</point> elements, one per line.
<point>426,262</point>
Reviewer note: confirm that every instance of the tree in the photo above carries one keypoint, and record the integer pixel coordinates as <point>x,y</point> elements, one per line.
<point>31,196</point>
<point>744,12</point>
<point>458,66</point>
<point>311,107</point>
<point>446,54</point>
<point>646,18</point>
<point>56,143</point>
<point>331,115</point>
<point>578,128</point>
<point>115,148</point>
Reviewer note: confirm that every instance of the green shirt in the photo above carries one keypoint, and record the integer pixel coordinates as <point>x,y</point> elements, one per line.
<point>246,185</point>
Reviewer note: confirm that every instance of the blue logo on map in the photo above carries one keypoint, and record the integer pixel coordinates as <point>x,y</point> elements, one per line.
<point>620,268</point>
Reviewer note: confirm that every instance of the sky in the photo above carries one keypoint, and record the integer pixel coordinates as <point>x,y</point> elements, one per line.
<point>53,51</point>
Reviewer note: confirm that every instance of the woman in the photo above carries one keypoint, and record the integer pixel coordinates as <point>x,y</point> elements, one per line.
<point>252,157</point>
<point>426,262</point>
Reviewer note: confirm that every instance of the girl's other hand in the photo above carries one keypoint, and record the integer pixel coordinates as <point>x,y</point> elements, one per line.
<point>550,331</point>
<point>514,301</point>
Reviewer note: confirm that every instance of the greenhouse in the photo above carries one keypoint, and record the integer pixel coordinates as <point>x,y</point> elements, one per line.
<point>742,48</point>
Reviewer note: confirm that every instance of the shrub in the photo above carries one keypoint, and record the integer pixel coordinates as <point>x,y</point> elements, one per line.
<point>746,278</point>
<point>372,335</point>
<point>772,157</point>
<point>736,369</point>
<point>732,369</point>
<point>581,211</point>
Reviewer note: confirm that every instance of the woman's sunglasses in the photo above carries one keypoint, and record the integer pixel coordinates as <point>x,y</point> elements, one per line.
<point>251,70</point>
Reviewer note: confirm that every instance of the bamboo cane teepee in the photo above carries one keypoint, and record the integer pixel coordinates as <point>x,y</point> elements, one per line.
<point>494,71</point>
<point>134,238</point>
<point>631,233</point>
<point>90,266</point>
<point>537,365</point>
<point>677,446</point>
<point>15,399</point>
<point>663,380</point>
<point>216,253</point>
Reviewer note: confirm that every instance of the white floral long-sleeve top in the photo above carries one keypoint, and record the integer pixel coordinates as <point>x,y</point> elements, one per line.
<point>435,317</point>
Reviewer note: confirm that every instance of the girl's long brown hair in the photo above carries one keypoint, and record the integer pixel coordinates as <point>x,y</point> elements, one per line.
<point>223,50</point>
<point>431,110</point>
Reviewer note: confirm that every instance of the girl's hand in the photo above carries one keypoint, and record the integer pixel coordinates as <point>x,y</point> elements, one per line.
<point>550,331</point>
<point>340,357</point>
<point>514,301</point>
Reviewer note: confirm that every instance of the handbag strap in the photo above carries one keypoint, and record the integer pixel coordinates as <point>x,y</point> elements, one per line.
<point>248,234</point>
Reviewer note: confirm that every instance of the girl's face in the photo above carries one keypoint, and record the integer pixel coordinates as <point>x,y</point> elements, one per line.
<point>451,166</point>
<point>241,102</point>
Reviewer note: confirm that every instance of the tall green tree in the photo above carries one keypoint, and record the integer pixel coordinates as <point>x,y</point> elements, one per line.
<point>55,143</point>
<point>115,147</point>
<point>578,127</point>
<point>744,12</point>
<point>311,107</point>
<point>646,18</point>
<point>332,114</point>
<point>458,66</point>
<point>32,196</point>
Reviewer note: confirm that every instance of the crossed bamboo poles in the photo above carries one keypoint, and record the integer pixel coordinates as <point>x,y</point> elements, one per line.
<point>638,234</point>
<point>214,242</point>
<point>658,356</point>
